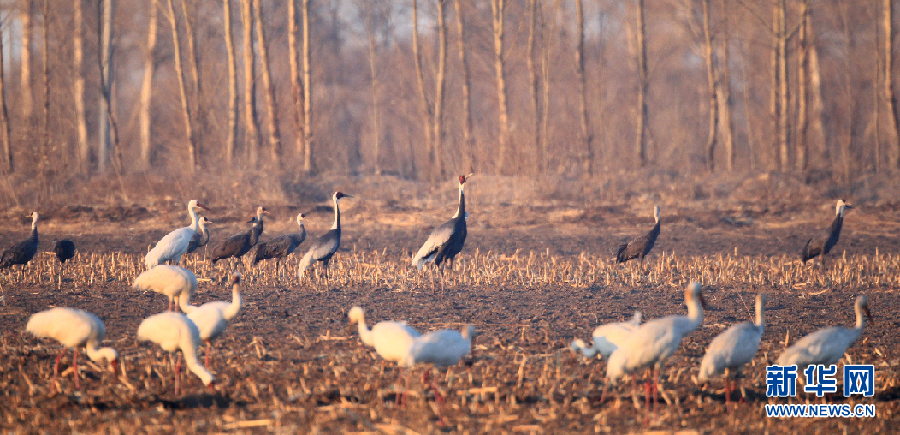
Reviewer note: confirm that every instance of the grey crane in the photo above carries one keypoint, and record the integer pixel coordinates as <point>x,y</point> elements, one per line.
<point>640,246</point>
<point>820,245</point>
<point>65,250</point>
<point>260,211</point>
<point>201,237</point>
<point>447,240</point>
<point>22,252</point>
<point>282,246</point>
<point>237,245</point>
<point>327,244</point>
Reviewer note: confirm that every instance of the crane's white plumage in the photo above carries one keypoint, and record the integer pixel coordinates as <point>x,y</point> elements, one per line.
<point>74,329</point>
<point>827,345</point>
<point>212,318</point>
<point>607,338</point>
<point>229,310</point>
<point>391,340</point>
<point>736,346</point>
<point>442,348</point>
<point>172,281</point>
<point>172,332</point>
<point>657,339</point>
<point>175,244</point>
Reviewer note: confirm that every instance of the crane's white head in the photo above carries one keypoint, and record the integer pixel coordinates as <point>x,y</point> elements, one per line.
<point>203,221</point>
<point>339,195</point>
<point>261,211</point>
<point>34,218</point>
<point>356,315</point>
<point>839,208</point>
<point>462,182</point>
<point>693,293</point>
<point>300,218</point>
<point>656,213</point>
<point>862,304</point>
<point>235,277</point>
<point>577,345</point>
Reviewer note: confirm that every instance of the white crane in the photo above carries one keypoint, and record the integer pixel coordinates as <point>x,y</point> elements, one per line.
<point>212,318</point>
<point>442,348</point>
<point>609,337</point>
<point>827,345</point>
<point>391,339</point>
<point>73,328</point>
<point>327,244</point>
<point>174,331</point>
<point>730,350</point>
<point>175,244</point>
<point>656,340</point>
<point>172,281</point>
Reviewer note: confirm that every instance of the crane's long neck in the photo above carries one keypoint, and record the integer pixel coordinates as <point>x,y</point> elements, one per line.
<point>194,220</point>
<point>254,234</point>
<point>695,310</point>
<point>96,353</point>
<point>235,306</point>
<point>365,334</point>
<point>760,314</point>
<point>461,210</point>
<point>189,349</point>
<point>860,318</point>
<point>184,302</point>
<point>337,214</point>
<point>302,228</point>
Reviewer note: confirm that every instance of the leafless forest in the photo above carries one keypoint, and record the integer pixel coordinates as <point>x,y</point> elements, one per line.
<point>426,89</point>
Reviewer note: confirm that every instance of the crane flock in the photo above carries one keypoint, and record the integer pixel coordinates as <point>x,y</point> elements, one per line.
<point>627,347</point>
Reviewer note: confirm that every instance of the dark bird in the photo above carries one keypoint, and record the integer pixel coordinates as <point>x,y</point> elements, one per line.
<point>22,252</point>
<point>640,246</point>
<point>821,244</point>
<point>201,237</point>
<point>327,244</point>
<point>446,240</point>
<point>282,246</point>
<point>65,250</point>
<point>260,211</point>
<point>238,245</point>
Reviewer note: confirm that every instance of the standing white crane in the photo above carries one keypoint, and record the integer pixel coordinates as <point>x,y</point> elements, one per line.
<point>212,318</point>
<point>327,244</point>
<point>174,331</point>
<point>656,340</point>
<point>730,350</point>
<point>447,240</point>
<point>175,244</point>
<point>443,348</point>
<point>827,345</point>
<point>73,328</point>
<point>391,339</point>
<point>173,281</point>
<point>609,337</point>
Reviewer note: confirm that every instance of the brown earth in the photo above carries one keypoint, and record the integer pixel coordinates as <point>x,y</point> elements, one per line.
<point>531,278</point>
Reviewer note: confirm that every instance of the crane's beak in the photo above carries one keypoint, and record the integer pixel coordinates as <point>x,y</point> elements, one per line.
<point>467,176</point>
<point>212,386</point>
<point>203,207</point>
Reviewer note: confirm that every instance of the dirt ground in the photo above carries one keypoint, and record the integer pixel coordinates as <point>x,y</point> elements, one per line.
<point>530,279</point>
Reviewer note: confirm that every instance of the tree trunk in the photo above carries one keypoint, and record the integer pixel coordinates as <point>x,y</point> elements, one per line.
<point>439,85</point>
<point>468,137</point>
<point>535,87</point>
<point>106,68</point>
<point>251,120</point>
<point>782,129</point>
<point>26,105</point>
<point>147,86</point>
<point>712,90</point>
<point>425,105</point>
<point>196,84</point>
<point>8,163</point>
<point>825,139</point>
<point>307,93</point>
<point>45,75</point>
<point>889,94</point>
<point>546,56</point>
<point>586,135</point>
<point>641,145</point>
<point>271,105</point>
<point>726,121</point>
<point>497,10</point>
<point>182,87</point>
<point>232,129</point>
<point>84,152</point>
<point>373,84</point>
<point>296,87</point>
<point>803,89</point>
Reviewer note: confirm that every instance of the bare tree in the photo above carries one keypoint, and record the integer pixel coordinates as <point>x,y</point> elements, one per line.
<point>549,33</point>
<point>712,89</point>
<point>641,33</point>
<point>45,75</point>
<point>232,129</point>
<point>78,97</point>
<point>251,120</point>
<point>780,102</point>
<point>498,8</point>
<point>196,84</point>
<point>818,101</point>
<point>296,83</point>
<point>534,85</point>
<point>586,135</point>
<point>890,95</point>
<point>425,105</point>
<point>271,106</point>
<point>26,105</point>
<point>726,120</point>
<point>468,136</point>
<point>803,89</point>
<point>8,163</point>
<point>307,93</point>
<point>147,85</point>
<point>369,19</point>
<point>182,87</point>
<point>439,86</point>
<point>106,68</point>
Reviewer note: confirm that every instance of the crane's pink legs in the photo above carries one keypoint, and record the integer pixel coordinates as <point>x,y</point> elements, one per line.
<point>208,350</point>
<point>178,375</point>
<point>438,397</point>
<point>56,368</point>
<point>75,369</point>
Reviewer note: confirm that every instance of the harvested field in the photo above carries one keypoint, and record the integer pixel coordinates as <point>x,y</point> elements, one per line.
<point>530,281</point>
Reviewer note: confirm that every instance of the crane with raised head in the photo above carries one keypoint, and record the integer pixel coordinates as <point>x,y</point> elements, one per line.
<point>327,244</point>
<point>237,245</point>
<point>447,240</point>
<point>282,246</point>
<point>640,246</point>
<point>820,245</point>
<point>827,345</point>
<point>212,318</point>
<point>201,237</point>
<point>175,244</point>
<point>22,252</point>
